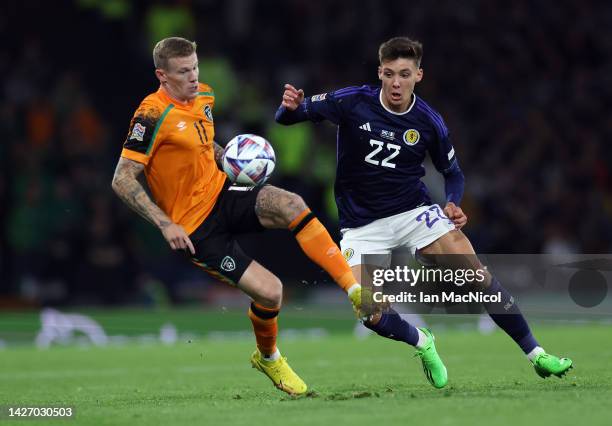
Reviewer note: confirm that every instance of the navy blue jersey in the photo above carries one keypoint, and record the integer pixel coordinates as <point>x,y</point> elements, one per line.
<point>381,153</point>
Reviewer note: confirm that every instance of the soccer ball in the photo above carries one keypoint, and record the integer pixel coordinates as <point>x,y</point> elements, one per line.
<point>248,160</point>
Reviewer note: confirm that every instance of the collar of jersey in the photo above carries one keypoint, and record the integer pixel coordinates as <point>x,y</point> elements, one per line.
<point>177,104</point>
<point>396,113</point>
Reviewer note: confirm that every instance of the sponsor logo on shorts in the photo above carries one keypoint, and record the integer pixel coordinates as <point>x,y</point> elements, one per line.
<point>208,113</point>
<point>138,132</point>
<point>317,98</point>
<point>348,254</point>
<point>411,136</point>
<point>228,264</point>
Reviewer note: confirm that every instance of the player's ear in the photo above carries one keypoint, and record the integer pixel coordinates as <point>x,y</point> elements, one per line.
<point>161,75</point>
<point>380,72</point>
<point>419,75</point>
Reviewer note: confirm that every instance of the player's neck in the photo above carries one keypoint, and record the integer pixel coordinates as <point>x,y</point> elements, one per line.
<point>172,96</point>
<point>397,109</point>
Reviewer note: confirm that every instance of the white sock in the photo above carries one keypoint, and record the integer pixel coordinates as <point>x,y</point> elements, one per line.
<point>535,352</point>
<point>422,339</point>
<point>352,288</point>
<point>276,355</point>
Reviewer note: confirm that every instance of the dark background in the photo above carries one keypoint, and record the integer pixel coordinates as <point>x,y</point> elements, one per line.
<point>525,88</point>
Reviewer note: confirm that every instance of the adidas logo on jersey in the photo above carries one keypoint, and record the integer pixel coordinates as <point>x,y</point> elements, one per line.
<point>366,127</point>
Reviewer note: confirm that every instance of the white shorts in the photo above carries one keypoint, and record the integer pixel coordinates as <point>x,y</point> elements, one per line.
<point>413,229</point>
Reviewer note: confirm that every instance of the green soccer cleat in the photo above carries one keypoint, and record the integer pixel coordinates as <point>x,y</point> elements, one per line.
<point>281,374</point>
<point>546,365</point>
<point>434,368</point>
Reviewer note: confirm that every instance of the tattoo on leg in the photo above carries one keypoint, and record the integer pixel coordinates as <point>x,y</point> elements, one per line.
<point>278,205</point>
<point>268,202</point>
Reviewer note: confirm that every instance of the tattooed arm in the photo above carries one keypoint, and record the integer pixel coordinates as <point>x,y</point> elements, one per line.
<point>218,155</point>
<point>128,188</point>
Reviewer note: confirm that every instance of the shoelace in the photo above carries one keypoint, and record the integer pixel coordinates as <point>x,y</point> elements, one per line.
<point>542,357</point>
<point>276,367</point>
<point>421,352</point>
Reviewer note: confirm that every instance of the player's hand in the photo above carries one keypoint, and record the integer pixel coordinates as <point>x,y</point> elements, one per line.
<point>455,214</point>
<point>176,237</point>
<point>292,97</point>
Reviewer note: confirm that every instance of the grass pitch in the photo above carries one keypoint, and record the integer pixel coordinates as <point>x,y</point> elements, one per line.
<point>374,381</point>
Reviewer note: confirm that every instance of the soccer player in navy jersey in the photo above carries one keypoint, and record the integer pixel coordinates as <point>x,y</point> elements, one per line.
<point>384,134</point>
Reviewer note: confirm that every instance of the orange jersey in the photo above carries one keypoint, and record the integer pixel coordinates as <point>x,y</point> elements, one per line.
<point>175,143</point>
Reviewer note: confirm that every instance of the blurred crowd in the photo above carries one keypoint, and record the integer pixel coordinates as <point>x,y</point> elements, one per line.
<point>525,88</point>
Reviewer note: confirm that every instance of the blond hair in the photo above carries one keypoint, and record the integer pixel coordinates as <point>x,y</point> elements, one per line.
<point>172,47</point>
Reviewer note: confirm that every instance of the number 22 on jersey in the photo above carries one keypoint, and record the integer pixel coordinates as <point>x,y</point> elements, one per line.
<point>380,146</point>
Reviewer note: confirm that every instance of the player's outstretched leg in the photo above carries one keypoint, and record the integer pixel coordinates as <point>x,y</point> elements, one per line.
<point>280,209</point>
<point>267,357</point>
<point>504,313</point>
<point>509,318</point>
<point>318,245</point>
<point>390,324</point>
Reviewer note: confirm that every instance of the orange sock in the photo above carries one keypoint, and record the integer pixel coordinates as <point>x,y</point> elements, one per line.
<point>318,245</point>
<point>265,327</point>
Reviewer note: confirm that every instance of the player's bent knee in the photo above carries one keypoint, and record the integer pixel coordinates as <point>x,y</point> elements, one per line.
<point>295,206</point>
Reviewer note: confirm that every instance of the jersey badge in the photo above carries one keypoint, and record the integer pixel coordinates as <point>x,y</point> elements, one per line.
<point>228,264</point>
<point>348,253</point>
<point>138,132</point>
<point>387,134</point>
<point>181,126</point>
<point>317,98</point>
<point>208,113</point>
<point>411,136</point>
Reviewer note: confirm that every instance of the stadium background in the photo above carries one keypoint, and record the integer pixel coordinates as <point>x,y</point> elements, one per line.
<point>524,86</point>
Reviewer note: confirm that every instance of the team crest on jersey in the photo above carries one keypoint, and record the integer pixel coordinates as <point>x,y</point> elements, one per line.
<point>228,264</point>
<point>317,98</point>
<point>208,113</point>
<point>411,136</point>
<point>138,132</point>
<point>348,253</point>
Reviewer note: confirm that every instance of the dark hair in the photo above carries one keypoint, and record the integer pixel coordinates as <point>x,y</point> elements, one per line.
<point>400,47</point>
<point>172,47</point>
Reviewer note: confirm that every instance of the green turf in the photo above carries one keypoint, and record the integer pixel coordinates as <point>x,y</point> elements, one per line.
<point>355,382</point>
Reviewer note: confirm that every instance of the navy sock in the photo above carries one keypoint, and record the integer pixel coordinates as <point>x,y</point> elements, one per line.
<point>392,326</point>
<point>509,318</point>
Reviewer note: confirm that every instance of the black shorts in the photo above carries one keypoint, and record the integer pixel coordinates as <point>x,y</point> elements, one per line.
<point>216,248</point>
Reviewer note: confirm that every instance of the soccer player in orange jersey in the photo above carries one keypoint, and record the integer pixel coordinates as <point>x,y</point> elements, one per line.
<point>171,140</point>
